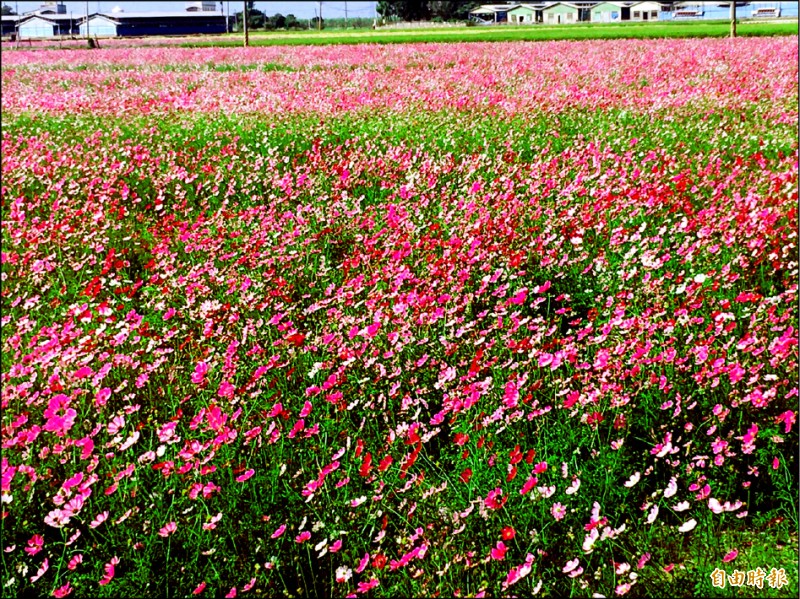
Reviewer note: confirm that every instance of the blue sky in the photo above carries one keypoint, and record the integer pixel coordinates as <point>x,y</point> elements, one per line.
<point>302,10</point>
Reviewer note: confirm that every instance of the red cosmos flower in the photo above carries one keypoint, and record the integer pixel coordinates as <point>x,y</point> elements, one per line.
<point>508,533</point>
<point>594,418</point>
<point>379,561</point>
<point>296,339</point>
<point>465,475</point>
<point>511,474</point>
<point>460,439</point>
<point>365,465</point>
<point>515,456</point>
<point>385,463</point>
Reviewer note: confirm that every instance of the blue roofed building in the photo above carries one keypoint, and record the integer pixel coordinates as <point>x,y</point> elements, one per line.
<point>138,24</point>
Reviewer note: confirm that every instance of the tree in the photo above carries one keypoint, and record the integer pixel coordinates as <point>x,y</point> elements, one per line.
<point>387,9</point>
<point>292,22</point>
<point>255,18</point>
<point>443,9</point>
<point>317,23</point>
<point>278,21</point>
<point>462,9</point>
<point>414,10</point>
<point>8,11</point>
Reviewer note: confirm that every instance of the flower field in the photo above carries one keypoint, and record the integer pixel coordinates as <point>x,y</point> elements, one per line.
<point>409,320</point>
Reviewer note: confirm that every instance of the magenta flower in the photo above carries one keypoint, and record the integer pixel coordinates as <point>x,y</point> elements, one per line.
<point>168,529</point>
<point>302,537</point>
<point>245,476</point>
<point>499,552</point>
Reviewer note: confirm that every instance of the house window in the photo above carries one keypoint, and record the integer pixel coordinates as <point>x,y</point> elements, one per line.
<point>637,14</point>
<point>570,16</point>
<point>654,14</point>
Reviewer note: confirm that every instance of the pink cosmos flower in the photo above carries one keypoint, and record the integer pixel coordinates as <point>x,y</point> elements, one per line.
<point>730,556</point>
<point>62,591</point>
<point>102,397</point>
<point>35,544</point>
<point>99,519</point>
<point>529,484</point>
<point>336,546</point>
<point>279,531</point>
<point>302,537</point>
<point>168,529</point>
<point>623,588</point>
<point>199,588</point>
<point>558,511</point>
<point>245,476</point>
<point>83,372</point>
<point>499,552</point>
<point>41,571</point>
<point>362,564</point>
<point>109,571</point>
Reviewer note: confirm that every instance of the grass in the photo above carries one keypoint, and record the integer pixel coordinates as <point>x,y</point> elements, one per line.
<point>510,34</point>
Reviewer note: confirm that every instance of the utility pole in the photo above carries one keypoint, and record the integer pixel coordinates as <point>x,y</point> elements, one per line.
<point>345,15</point>
<point>246,30</point>
<point>733,19</point>
<point>87,20</point>
<point>319,20</point>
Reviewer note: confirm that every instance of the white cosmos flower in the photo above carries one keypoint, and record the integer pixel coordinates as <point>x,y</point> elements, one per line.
<point>672,487</point>
<point>682,506</point>
<point>571,565</point>
<point>633,479</point>
<point>651,517</point>
<point>688,525</point>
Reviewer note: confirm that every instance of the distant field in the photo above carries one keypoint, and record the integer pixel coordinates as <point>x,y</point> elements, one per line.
<point>509,33</point>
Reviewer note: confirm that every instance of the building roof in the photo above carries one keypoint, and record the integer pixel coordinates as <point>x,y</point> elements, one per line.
<point>54,18</point>
<point>539,6</point>
<point>157,14</point>
<point>552,4</point>
<point>491,8</point>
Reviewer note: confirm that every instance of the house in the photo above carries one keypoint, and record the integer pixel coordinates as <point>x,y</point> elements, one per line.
<point>204,6</point>
<point>127,24</point>
<point>644,11</point>
<point>560,12</point>
<point>605,12</point>
<point>51,8</point>
<point>9,25</point>
<point>490,13</point>
<point>765,12</point>
<point>47,25</point>
<point>525,13</point>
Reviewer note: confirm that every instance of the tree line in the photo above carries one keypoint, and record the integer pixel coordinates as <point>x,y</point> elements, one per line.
<point>426,10</point>
<point>405,10</point>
